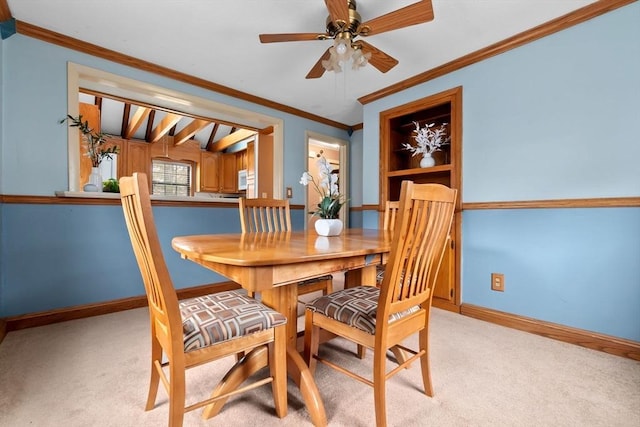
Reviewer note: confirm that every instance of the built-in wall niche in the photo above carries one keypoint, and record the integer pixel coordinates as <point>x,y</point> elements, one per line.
<point>397,164</point>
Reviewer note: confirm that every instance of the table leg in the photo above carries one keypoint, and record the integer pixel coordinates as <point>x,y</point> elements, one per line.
<point>284,300</point>
<point>257,359</point>
<point>362,276</point>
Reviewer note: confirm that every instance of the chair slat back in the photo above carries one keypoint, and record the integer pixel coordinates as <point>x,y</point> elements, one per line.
<point>264,215</point>
<point>390,214</point>
<point>161,295</point>
<point>424,221</point>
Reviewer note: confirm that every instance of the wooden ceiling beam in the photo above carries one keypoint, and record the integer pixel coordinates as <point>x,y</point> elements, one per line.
<point>136,121</point>
<point>164,126</point>
<point>126,112</point>
<point>266,131</point>
<point>231,139</point>
<point>189,131</point>
<point>147,133</point>
<point>212,136</point>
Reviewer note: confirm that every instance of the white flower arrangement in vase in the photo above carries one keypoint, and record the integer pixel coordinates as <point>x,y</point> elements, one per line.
<point>330,202</point>
<point>428,139</point>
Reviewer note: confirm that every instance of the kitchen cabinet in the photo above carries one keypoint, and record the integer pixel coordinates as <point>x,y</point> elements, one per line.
<point>228,173</point>
<point>138,158</point>
<point>218,172</point>
<point>209,171</point>
<point>241,160</point>
<point>251,171</point>
<point>397,164</point>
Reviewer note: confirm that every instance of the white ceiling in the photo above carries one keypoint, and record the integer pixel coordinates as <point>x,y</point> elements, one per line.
<point>217,40</point>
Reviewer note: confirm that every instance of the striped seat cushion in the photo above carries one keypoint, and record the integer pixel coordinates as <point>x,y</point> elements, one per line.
<point>380,274</point>
<point>223,316</point>
<point>355,307</point>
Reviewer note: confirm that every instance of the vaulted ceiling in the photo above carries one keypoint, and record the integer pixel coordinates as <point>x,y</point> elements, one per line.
<point>130,120</point>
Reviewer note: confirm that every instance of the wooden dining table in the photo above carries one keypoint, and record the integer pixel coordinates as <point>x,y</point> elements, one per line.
<point>272,264</point>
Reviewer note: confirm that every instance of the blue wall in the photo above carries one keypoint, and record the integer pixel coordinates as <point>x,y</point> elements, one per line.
<point>355,178</point>
<point>575,267</point>
<point>64,255</point>
<point>554,119</point>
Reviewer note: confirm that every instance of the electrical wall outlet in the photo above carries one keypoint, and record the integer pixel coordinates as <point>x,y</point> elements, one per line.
<point>497,282</point>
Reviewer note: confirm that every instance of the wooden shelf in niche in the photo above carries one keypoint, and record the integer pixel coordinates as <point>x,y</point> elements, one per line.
<point>437,174</point>
<point>420,171</point>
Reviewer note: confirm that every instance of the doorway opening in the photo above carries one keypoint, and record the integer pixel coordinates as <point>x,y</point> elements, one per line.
<point>335,151</point>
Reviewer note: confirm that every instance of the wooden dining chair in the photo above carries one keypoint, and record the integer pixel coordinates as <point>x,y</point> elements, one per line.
<point>274,215</point>
<point>403,301</point>
<point>388,223</point>
<point>199,330</point>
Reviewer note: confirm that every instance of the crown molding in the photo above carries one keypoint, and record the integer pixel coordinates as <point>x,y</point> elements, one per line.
<point>5,12</point>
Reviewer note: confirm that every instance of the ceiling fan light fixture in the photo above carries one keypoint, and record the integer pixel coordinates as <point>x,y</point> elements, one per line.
<point>333,63</point>
<point>359,59</point>
<point>343,49</point>
<point>342,52</point>
<point>344,25</point>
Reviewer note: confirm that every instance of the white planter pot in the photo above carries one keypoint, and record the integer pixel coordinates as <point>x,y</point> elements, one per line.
<point>427,161</point>
<point>328,227</point>
<point>95,181</point>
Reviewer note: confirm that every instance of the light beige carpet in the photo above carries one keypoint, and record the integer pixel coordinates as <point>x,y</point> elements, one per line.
<point>94,372</point>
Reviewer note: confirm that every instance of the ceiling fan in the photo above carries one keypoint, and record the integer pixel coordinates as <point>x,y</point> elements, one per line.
<point>344,26</point>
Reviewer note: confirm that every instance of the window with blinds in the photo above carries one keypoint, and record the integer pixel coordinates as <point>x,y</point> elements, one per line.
<point>171,178</point>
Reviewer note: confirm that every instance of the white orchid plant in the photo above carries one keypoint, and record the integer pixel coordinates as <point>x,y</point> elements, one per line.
<point>331,200</point>
<point>428,139</point>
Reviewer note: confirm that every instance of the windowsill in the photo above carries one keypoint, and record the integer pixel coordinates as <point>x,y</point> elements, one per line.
<point>199,198</point>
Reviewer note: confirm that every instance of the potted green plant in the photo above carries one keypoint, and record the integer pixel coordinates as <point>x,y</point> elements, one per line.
<point>96,151</point>
<point>111,186</point>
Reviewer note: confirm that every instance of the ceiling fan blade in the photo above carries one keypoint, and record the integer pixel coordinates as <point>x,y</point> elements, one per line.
<point>291,37</point>
<point>318,70</point>
<point>379,59</point>
<point>338,10</point>
<point>416,13</point>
